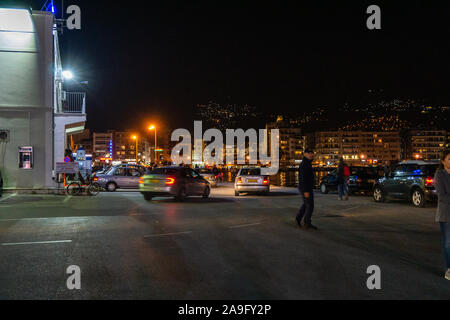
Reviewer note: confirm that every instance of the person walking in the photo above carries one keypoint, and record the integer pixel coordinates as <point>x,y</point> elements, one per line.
<point>442,186</point>
<point>305,186</point>
<point>346,180</point>
<point>341,180</point>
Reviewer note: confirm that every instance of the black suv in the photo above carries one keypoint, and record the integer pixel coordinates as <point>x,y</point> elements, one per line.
<point>408,180</point>
<point>362,179</point>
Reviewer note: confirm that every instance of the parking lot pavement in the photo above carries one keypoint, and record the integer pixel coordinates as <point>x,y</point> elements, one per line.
<point>225,247</point>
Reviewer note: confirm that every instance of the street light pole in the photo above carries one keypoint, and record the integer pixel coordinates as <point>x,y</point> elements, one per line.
<point>153,127</point>
<point>136,151</point>
<point>155,147</point>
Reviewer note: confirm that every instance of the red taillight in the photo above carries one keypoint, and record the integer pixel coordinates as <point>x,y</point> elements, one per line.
<point>429,181</point>
<point>266,181</point>
<point>359,180</point>
<point>170,181</point>
<point>95,179</point>
<point>141,180</point>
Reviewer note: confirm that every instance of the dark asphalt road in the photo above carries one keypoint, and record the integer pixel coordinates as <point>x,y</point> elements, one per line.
<point>220,248</point>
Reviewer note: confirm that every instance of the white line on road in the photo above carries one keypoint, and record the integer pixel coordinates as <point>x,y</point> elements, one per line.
<point>166,234</point>
<point>36,242</point>
<point>67,199</point>
<point>348,209</point>
<point>7,197</point>
<point>23,219</point>
<point>245,225</point>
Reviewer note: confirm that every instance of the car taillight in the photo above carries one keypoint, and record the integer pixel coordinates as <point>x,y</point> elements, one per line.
<point>141,180</point>
<point>170,181</point>
<point>359,180</point>
<point>95,179</point>
<point>429,181</point>
<point>266,181</point>
<point>239,180</point>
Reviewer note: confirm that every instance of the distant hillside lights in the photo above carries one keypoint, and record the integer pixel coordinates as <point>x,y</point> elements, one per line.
<point>213,152</point>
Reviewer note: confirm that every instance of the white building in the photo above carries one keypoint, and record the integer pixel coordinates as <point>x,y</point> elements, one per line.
<point>35,112</point>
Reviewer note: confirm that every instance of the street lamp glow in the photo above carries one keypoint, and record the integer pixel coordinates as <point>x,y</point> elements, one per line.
<point>152,127</point>
<point>134,137</point>
<point>67,74</point>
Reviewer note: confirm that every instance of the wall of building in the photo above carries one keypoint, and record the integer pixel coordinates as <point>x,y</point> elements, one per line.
<point>26,101</point>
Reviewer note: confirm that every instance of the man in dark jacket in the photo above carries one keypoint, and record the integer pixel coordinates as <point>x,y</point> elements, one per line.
<point>305,186</point>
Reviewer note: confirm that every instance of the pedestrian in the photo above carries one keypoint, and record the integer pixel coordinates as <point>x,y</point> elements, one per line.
<point>340,175</point>
<point>305,186</point>
<point>346,180</point>
<point>442,185</point>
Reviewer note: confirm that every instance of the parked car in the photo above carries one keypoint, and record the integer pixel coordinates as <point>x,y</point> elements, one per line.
<point>408,180</point>
<point>208,175</point>
<point>173,181</point>
<point>362,179</point>
<point>250,180</point>
<point>120,177</point>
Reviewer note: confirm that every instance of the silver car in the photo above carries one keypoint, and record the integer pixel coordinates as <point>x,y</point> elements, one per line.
<point>208,175</point>
<point>120,177</point>
<point>250,180</point>
<point>178,182</point>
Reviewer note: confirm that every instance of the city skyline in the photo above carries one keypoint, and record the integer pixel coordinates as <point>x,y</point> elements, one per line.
<point>294,59</point>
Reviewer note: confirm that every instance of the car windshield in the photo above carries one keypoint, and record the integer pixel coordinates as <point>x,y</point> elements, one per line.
<point>164,171</point>
<point>251,172</point>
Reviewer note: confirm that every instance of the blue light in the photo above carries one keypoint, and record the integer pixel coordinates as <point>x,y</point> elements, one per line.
<point>53,9</point>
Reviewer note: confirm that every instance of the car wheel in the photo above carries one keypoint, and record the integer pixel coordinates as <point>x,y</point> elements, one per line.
<point>148,196</point>
<point>206,193</point>
<point>418,198</point>
<point>323,188</point>
<point>111,187</point>
<point>181,194</point>
<point>378,195</point>
<point>236,193</point>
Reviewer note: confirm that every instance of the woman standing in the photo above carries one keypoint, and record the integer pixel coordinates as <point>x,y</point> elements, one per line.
<point>442,185</point>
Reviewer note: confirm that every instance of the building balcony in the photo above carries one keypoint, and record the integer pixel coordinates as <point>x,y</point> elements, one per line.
<point>73,103</point>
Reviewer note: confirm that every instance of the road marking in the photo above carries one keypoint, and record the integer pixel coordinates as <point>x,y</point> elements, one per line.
<point>7,197</point>
<point>67,199</point>
<point>36,242</point>
<point>23,219</point>
<point>245,225</point>
<point>166,234</point>
<point>348,209</point>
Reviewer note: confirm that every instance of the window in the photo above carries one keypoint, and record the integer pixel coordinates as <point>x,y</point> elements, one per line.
<point>399,170</point>
<point>412,169</point>
<point>120,172</point>
<point>250,172</point>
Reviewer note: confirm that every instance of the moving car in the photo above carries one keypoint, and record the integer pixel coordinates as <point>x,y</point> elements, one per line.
<point>120,177</point>
<point>362,179</point>
<point>409,180</point>
<point>208,175</point>
<point>250,180</point>
<point>173,181</point>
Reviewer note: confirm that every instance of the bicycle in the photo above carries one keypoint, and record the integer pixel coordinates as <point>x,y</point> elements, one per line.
<point>79,186</point>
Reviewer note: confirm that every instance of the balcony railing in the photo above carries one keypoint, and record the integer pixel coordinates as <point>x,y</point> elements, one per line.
<point>73,102</point>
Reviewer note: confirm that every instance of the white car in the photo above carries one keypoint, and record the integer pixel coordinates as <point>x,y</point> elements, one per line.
<point>250,180</point>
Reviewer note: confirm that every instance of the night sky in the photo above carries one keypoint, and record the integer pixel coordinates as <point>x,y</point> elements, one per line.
<point>148,60</point>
